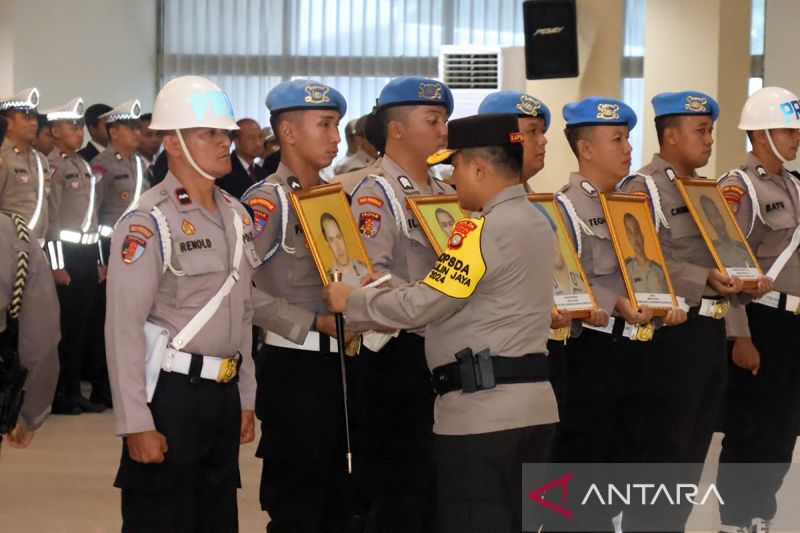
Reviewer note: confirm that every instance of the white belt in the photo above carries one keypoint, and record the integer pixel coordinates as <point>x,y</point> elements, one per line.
<point>716,309</point>
<point>773,299</point>
<point>630,331</point>
<point>311,343</point>
<point>77,237</point>
<point>106,231</point>
<point>214,368</point>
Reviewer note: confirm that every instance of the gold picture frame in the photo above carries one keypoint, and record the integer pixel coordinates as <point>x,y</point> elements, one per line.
<point>319,209</point>
<point>433,213</point>
<point>572,292</point>
<point>714,218</point>
<point>633,233</point>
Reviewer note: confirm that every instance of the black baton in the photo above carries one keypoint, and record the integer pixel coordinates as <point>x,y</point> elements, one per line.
<point>337,276</point>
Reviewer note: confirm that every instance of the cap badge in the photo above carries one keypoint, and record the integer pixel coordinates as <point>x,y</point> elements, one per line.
<point>696,104</point>
<point>430,91</point>
<point>317,94</point>
<point>608,111</point>
<point>529,105</point>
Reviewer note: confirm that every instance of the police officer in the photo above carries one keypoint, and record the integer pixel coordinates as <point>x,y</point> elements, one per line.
<point>534,120</point>
<point>30,329</point>
<point>121,177</point>
<point>499,301</point>
<point>72,246</point>
<point>97,131</point>
<point>761,415</point>
<point>601,421</point>
<point>180,271</point>
<point>299,387</point>
<point>413,113</point>
<point>687,370</point>
<point>24,178</point>
<point>365,153</point>
<point>120,172</point>
<point>374,137</point>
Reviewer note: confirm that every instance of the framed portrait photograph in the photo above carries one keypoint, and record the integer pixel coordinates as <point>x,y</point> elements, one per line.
<point>436,216</point>
<point>722,234</point>
<point>571,290</point>
<point>633,234</point>
<point>331,233</point>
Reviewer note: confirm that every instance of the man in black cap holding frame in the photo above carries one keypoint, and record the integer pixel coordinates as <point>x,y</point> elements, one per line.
<point>486,308</point>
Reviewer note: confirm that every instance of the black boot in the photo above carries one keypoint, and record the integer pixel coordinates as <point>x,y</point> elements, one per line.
<point>85,405</point>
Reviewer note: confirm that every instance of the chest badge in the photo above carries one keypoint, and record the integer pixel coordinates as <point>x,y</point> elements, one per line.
<point>187,227</point>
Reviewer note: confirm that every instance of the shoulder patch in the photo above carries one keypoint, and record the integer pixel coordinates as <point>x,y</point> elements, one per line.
<point>369,224</point>
<point>371,200</point>
<point>733,195</point>
<point>461,267</point>
<point>132,249</point>
<point>260,201</point>
<point>142,230</point>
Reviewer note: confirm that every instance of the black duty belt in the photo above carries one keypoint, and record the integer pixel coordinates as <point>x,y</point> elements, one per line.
<point>481,371</point>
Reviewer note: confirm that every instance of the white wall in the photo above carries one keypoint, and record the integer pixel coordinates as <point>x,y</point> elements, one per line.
<point>102,50</point>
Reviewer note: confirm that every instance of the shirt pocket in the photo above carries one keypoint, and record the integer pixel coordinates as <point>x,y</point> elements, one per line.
<point>420,260</point>
<point>682,225</point>
<point>604,259</point>
<point>304,271</point>
<point>205,273</point>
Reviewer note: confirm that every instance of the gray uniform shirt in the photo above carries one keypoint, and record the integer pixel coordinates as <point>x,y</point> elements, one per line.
<point>357,161</point>
<point>686,253</point>
<point>39,329</point>
<point>288,271</point>
<point>19,185</point>
<point>71,196</point>
<point>507,312</point>
<point>408,258</point>
<point>349,180</point>
<point>779,207</point>
<point>202,246</point>
<point>117,180</point>
<point>597,253</point>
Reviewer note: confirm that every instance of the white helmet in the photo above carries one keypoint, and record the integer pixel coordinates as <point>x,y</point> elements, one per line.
<point>192,102</point>
<point>770,108</point>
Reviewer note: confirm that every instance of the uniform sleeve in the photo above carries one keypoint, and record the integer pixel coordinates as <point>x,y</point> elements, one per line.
<point>247,372</point>
<point>274,314</point>
<point>39,333</point>
<point>279,316</point>
<point>54,202</point>
<point>408,307</point>
<point>736,324</point>
<point>99,173</point>
<point>688,280</point>
<point>376,224</point>
<point>134,274</point>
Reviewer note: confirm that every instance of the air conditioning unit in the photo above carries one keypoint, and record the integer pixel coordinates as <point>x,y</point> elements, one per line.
<point>473,71</point>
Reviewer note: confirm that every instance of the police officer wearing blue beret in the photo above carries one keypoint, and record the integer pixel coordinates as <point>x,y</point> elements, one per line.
<point>303,481</point>
<point>413,113</point>
<point>534,121</point>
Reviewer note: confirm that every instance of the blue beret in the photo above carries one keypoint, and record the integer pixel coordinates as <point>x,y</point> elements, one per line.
<point>597,110</point>
<point>298,95</point>
<point>415,90</point>
<point>685,103</point>
<point>516,103</point>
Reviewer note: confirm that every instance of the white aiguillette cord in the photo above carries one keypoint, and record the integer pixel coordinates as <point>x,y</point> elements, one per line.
<point>787,252</point>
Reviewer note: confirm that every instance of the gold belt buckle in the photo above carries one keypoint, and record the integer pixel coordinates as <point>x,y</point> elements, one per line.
<point>644,332</point>
<point>719,309</point>
<point>227,370</point>
<point>560,334</point>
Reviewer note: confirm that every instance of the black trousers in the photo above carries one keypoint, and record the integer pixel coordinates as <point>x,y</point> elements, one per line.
<point>76,302</point>
<point>761,418</point>
<point>684,375</point>
<point>304,482</point>
<point>399,437</point>
<point>194,490</point>
<point>480,477</point>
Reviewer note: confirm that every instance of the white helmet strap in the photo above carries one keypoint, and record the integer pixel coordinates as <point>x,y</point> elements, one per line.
<point>189,158</point>
<point>774,150</point>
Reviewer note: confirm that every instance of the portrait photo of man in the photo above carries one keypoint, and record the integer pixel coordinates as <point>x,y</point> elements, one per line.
<point>445,220</point>
<point>731,252</point>
<point>646,275</point>
<point>352,269</point>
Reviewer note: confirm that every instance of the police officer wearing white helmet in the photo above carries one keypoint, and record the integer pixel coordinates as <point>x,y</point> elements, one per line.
<point>760,417</point>
<point>178,326</point>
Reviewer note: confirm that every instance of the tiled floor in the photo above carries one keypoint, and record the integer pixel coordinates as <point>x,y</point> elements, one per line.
<point>63,482</point>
